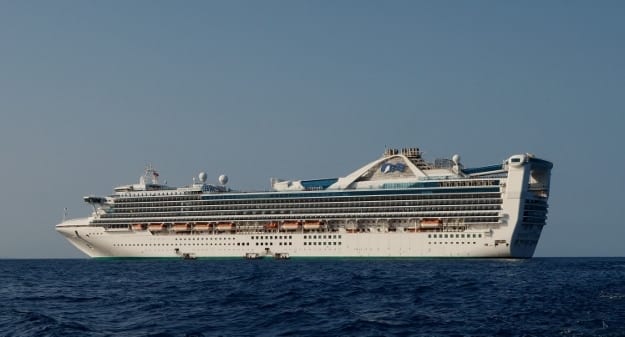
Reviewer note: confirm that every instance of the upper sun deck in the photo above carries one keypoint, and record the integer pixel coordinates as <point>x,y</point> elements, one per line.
<point>397,168</point>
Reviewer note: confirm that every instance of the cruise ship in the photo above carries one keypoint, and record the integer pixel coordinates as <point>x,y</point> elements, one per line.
<point>399,205</point>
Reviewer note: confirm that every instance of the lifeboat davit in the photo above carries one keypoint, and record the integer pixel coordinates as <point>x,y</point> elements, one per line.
<point>312,224</point>
<point>428,223</point>
<point>181,227</point>
<point>225,226</point>
<point>290,225</point>
<point>202,226</point>
<point>156,227</point>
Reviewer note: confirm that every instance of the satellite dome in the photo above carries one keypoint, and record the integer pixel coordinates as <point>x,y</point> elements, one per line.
<point>455,158</point>
<point>223,179</point>
<point>202,176</point>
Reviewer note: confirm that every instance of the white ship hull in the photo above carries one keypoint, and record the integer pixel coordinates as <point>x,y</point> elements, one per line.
<point>127,244</point>
<point>496,212</point>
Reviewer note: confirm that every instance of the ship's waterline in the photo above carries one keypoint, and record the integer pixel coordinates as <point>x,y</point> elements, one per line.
<point>396,206</point>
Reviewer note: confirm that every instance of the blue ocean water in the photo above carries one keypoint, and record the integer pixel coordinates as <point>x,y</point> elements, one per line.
<point>337,297</point>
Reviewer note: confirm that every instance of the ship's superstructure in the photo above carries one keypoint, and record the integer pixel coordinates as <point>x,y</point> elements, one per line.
<point>396,206</point>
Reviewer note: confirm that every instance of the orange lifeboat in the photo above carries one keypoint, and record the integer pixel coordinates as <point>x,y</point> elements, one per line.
<point>181,227</point>
<point>138,227</point>
<point>225,226</point>
<point>428,223</point>
<point>202,226</point>
<point>290,225</point>
<point>271,225</point>
<point>156,227</point>
<point>312,224</point>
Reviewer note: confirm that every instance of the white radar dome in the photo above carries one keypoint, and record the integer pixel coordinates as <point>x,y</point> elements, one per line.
<point>455,158</point>
<point>223,179</point>
<point>202,176</point>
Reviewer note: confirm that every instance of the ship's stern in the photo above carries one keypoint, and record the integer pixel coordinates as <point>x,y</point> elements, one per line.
<point>525,202</point>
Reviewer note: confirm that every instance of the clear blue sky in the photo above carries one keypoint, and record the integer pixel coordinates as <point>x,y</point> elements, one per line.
<point>91,91</point>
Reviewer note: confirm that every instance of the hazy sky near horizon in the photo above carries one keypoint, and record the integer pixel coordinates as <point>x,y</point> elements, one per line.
<point>92,91</point>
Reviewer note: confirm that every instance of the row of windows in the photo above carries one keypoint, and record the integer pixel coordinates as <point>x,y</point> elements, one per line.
<point>445,236</point>
<point>222,216</point>
<point>324,243</point>
<point>322,236</point>
<point>313,243</point>
<point>352,193</point>
<point>160,197</point>
<point>241,201</point>
<point>451,243</point>
<point>469,200</point>
<point>320,203</point>
<point>271,237</point>
<point>448,183</point>
<point>465,219</point>
<point>178,244</point>
<point>294,210</point>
